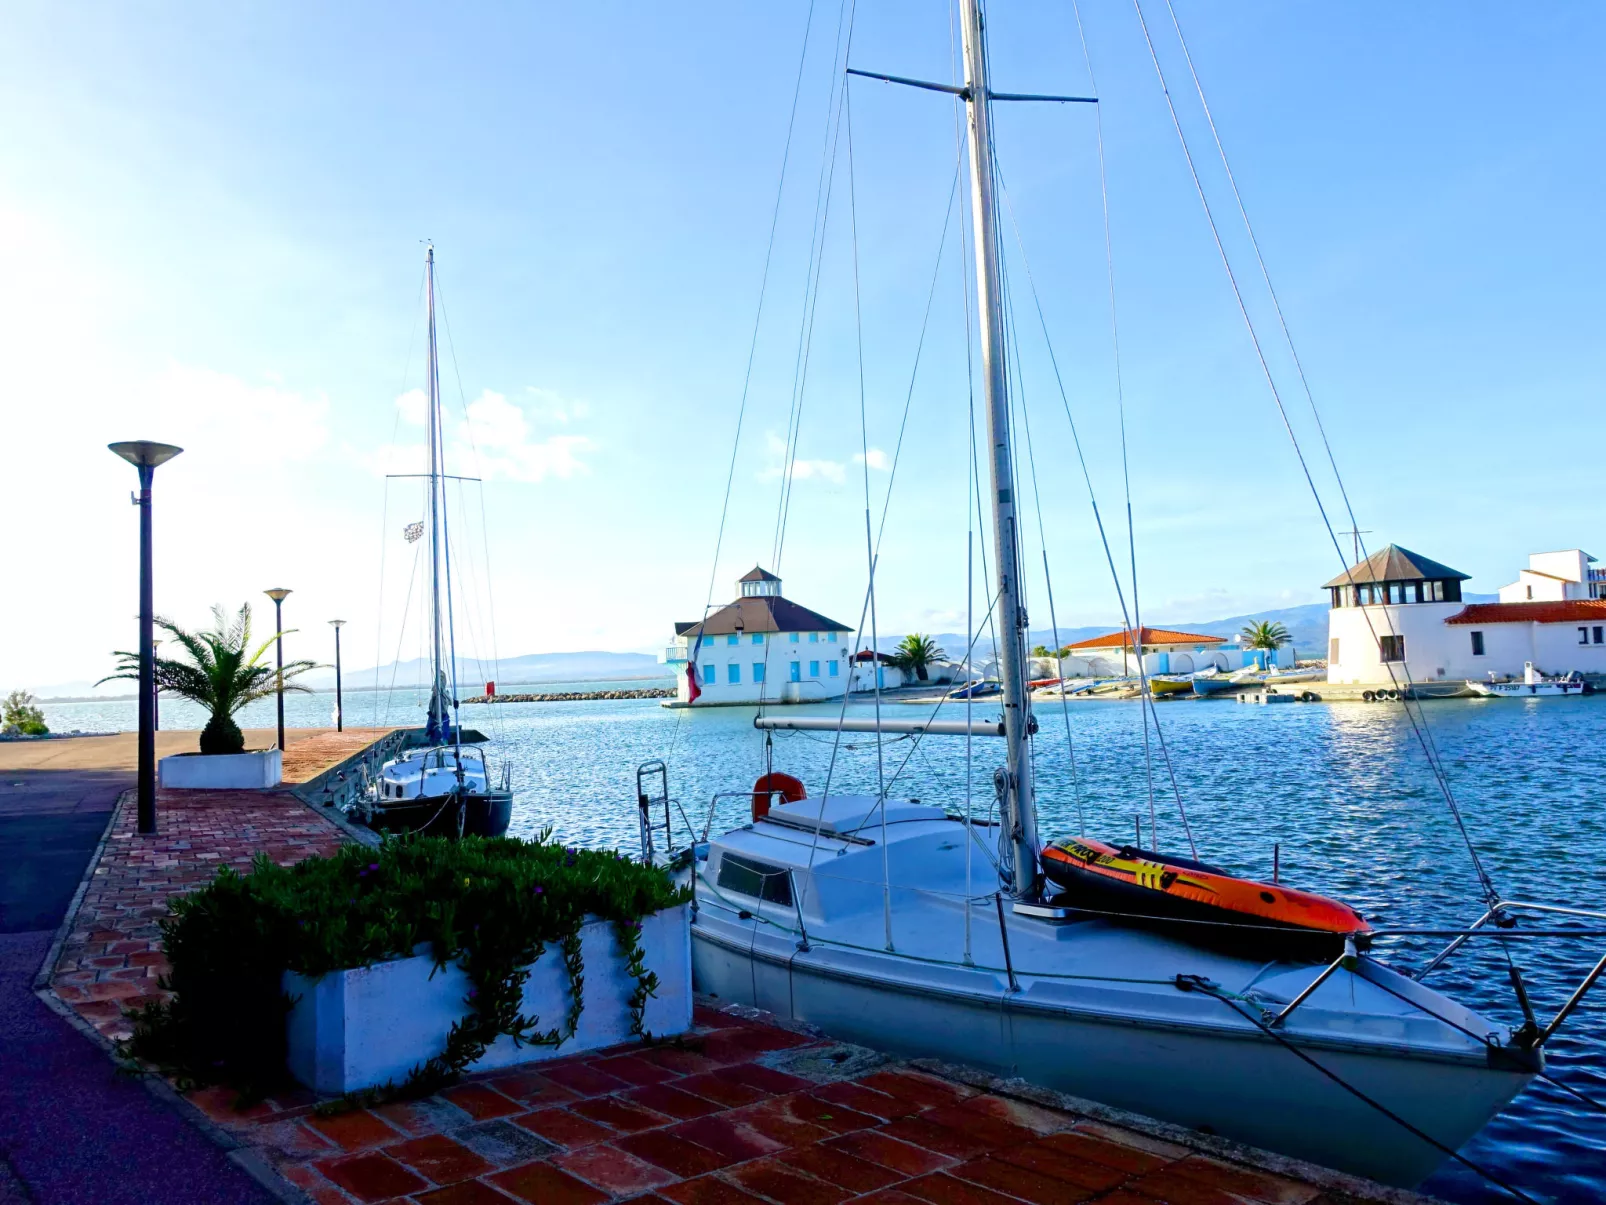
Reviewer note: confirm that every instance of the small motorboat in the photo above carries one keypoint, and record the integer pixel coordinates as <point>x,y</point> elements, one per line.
<point>1309,674</point>
<point>1214,682</point>
<point>1211,905</point>
<point>1171,684</point>
<point>1534,685</point>
<point>976,690</point>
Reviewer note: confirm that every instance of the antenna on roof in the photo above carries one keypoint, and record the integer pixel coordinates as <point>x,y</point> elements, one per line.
<point>1357,533</point>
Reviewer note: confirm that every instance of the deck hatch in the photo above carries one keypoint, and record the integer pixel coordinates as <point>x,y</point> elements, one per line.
<point>761,880</point>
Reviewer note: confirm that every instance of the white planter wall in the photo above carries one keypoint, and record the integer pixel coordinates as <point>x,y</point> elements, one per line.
<point>221,771</point>
<point>363,1027</point>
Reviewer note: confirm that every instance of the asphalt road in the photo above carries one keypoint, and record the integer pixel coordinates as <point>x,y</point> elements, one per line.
<point>72,1129</point>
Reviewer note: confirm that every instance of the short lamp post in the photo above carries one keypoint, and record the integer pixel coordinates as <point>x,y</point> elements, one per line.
<point>146,456</point>
<point>340,709</point>
<point>278,594</point>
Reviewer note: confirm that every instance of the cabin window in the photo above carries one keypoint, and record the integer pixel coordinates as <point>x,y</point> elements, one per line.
<point>797,671</point>
<point>1598,634</point>
<point>1477,644</point>
<point>1332,651</point>
<point>1583,635</point>
<point>758,671</point>
<point>1436,591</point>
<point>747,876</point>
<point>733,673</point>
<point>1391,648</point>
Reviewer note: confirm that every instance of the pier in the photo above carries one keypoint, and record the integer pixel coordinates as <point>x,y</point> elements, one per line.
<point>745,1109</point>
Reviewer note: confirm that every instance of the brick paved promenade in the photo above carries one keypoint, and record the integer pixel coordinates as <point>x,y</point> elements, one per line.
<point>741,1111</point>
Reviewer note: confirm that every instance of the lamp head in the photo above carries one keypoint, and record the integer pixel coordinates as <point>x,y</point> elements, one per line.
<point>337,624</point>
<point>145,453</point>
<point>277,594</point>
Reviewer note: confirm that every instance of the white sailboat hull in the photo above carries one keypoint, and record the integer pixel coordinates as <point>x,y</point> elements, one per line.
<point>1240,1085</point>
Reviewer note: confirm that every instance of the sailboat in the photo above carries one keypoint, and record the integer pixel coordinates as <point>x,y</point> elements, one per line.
<point>441,784</point>
<point>893,923</point>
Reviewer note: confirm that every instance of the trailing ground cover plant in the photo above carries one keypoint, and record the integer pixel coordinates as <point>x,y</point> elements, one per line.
<point>493,906</point>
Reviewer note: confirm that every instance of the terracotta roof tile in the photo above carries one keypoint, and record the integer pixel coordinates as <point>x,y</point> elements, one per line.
<point>1150,636</point>
<point>1570,611</point>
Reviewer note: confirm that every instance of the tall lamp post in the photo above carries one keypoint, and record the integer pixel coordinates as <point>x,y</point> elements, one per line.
<point>146,456</point>
<point>340,710</point>
<point>277,594</point>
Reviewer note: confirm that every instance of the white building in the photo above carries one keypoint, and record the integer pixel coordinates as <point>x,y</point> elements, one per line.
<point>869,666</point>
<point>1163,652</point>
<point>1399,611</point>
<point>760,648</point>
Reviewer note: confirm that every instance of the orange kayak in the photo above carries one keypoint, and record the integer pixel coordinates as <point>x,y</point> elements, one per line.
<point>1140,885</point>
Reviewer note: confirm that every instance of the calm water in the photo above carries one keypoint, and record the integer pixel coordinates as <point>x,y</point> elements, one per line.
<point>1343,789</point>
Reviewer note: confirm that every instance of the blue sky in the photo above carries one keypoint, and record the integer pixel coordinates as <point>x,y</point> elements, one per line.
<point>213,218</point>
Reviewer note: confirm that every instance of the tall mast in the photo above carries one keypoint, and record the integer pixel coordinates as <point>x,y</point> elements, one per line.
<point>1019,810</point>
<point>437,704</point>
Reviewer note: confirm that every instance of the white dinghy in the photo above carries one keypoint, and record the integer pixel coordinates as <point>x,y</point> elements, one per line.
<point>1534,685</point>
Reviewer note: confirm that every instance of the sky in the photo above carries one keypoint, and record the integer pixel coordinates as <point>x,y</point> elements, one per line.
<point>214,217</point>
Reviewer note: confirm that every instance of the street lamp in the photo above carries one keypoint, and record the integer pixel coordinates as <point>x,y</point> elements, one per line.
<point>340,711</point>
<point>277,594</point>
<point>145,456</point>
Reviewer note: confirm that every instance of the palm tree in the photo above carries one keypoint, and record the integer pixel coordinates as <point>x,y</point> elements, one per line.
<point>916,653</point>
<point>1264,634</point>
<point>222,673</point>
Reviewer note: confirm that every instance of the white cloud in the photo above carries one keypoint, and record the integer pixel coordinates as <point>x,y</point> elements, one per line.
<point>206,411</point>
<point>875,458</point>
<point>833,471</point>
<point>499,439</point>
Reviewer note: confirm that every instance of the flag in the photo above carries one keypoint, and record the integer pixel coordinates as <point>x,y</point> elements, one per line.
<point>414,532</point>
<point>692,689</point>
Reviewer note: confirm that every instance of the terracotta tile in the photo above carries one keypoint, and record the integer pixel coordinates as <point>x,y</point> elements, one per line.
<point>635,1069</point>
<point>371,1177</point>
<point>785,1184</point>
<point>671,1101</point>
<point>877,1147</point>
<point>727,1135</point>
<point>502,1142</point>
<point>584,1079</point>
<point>1131,1138</point>
<point>709,1190</point>
<point>1017,1181</point>
<point>1166,1185</point>
<point>680,1060</point>
<point>839,1167</point>
<point>765,1079</point>
<point>439,1158</point>
<point>219,1102</point>
<point>564,1128</point>
<point>936,1137</point>
<point>979,1126</point>
<point>428,1116</point>
<point>1244,1182</point>
<point>866,1100</point>
<point>674,1154</point>
<point>548,1185</point>
<point>614,1170</point>
<point>927,1091</point>
<point>469,1192</point>
<point>292,1140</point>
<point>480,1102</point>
<point>1090,1147</point>
<point>724,1092</point>
<point>943,1189</point>
<point>619,1114</point>
<point>777,1119</point>
<point>701,1014</point>
<point>1020,1113</point>
<point>532,1090</point>
<point>1046,1160</point>
<point>353,1131</point>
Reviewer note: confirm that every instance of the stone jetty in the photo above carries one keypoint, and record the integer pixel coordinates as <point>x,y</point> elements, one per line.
<point>578,696</point>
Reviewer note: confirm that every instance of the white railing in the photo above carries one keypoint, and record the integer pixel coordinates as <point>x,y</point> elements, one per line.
<point>675,652</point>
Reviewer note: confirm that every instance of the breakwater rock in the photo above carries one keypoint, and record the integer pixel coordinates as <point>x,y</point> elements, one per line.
<point>579,696</point>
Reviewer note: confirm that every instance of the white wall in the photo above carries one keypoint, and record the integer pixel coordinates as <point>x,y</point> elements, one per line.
<point>776,653</point>
<point>1550,577</point>
<point>1434,649</point>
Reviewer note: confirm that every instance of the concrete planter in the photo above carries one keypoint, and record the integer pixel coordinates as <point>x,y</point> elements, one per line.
<point>254,770</point>
<point>363,1027</point>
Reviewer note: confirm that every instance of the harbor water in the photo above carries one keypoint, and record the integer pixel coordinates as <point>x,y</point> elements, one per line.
<point>1343,791</point>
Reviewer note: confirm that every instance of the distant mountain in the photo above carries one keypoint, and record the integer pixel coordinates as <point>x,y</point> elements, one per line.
<point>589,666</point>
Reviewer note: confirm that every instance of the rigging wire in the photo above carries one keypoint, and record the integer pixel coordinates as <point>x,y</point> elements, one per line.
<point>1418,723</point>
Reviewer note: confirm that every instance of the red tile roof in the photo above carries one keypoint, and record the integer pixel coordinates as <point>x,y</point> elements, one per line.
<point>1571,611</point>
<point>1150,636</point>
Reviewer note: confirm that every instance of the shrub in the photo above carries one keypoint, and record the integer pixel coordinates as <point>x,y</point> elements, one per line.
<point>17,711</point>
<point>490,905</point>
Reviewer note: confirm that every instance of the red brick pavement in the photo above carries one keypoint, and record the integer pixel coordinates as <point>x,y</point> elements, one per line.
<point>113,954</point>
<point>593,1129</point>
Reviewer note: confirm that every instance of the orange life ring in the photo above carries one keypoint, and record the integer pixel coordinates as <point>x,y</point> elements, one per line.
<point>775,783</point>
